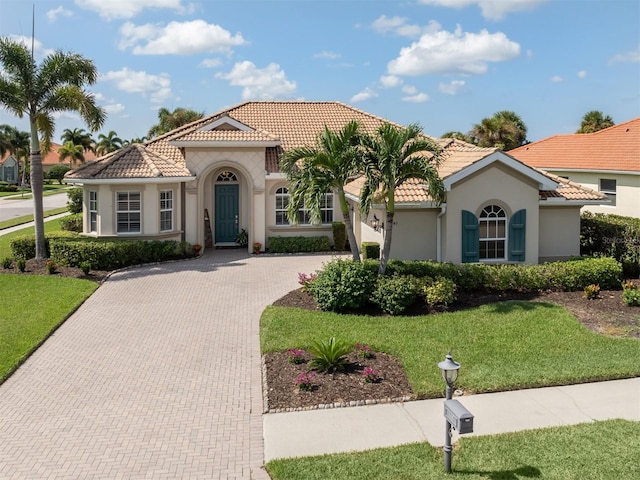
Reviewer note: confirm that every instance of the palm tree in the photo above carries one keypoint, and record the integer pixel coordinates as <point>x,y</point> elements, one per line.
<point>314,171</point>
<point>15,142</point>
<point>391,157</point>
<point>134,140</point>
<point>40,91</point>
<point>71,151</point>
<point>172,120</point>
<point>108,143</point>
<point>79,137</point>
<point>458,135</point>
<point>593,121</point>
<point>504,130</point>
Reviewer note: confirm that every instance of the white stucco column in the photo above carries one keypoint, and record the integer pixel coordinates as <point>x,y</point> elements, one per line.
<point>258,213</point>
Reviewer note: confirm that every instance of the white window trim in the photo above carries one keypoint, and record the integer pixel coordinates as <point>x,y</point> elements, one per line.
<point>302,211</point>
<point>93,211</point>
<point>170,209</point>
<point>488,221</point>
<point>128,192</point>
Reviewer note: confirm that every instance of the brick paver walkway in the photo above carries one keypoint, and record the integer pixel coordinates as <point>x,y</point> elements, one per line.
<point>156,376</point>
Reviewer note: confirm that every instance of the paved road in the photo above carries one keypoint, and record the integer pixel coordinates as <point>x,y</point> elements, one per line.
<point>12,207</point>
<point>157,375</point>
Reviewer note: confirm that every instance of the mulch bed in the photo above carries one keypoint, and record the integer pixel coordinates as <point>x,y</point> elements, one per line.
<point>39,267</point>
<point>607,315</point>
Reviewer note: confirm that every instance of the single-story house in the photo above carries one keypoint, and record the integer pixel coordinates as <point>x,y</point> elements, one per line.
<point>205,181</point>
<point>607,161</point>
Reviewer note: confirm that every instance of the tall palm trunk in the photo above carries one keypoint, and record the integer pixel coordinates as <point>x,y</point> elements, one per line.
<point>351,236</point>
<point>36,192</point>
<point>386,245</point>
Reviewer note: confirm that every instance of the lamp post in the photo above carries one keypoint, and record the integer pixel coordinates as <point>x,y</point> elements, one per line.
<point>449,369</point>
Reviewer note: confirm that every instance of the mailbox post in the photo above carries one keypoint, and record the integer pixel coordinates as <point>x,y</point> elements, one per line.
<point>449,369</point>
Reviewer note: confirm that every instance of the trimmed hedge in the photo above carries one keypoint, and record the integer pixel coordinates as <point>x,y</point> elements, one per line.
<point>72,223</point>
<point>299,244</point>
<point>343,285</point>
<point>24,246</point>
<point>339,236</point>
<point>371,250</point>
<point>612,236</point>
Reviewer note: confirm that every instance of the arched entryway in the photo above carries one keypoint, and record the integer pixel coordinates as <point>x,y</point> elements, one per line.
<point>226,207</point>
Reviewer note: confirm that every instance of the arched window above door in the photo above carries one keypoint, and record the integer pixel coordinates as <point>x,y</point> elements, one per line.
<point>227,176</point>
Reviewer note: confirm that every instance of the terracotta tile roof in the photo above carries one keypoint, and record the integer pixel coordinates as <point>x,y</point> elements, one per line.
<point>134,161</point>
<point>615,148</point>
<point>225,136</point>
<point>53,157</point>
<point>569,190</point>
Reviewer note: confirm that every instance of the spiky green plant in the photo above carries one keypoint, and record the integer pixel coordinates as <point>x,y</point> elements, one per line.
<point>329,356</point>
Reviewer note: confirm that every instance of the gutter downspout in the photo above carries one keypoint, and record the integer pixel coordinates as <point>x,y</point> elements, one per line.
<point>443,210</point>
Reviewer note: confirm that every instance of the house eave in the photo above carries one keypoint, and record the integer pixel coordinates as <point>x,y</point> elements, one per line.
<point>230,144</point>
<point>564,201</point>
<point>589,170</point>
<point>125,181</point>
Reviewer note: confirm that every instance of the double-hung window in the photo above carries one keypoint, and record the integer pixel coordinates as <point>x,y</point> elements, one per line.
<point>166,210</point>
<point>282,203</point>
<point>608,187</point>
<point>304,214</point>
<point>129,212</point>
<point>93,212</point>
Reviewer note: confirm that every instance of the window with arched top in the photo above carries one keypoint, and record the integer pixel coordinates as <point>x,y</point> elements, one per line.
<point>493,233</point>
<point>227,176</point>
<point>282,203</point>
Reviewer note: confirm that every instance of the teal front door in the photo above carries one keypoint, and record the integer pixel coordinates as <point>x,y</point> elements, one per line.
<point>226,211</point>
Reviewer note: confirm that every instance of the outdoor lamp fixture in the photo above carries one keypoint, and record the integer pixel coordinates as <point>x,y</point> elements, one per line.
<point>449,369</point>
<point>375,223</point>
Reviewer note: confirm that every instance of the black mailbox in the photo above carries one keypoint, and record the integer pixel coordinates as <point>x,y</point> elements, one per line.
<point>458,416</point>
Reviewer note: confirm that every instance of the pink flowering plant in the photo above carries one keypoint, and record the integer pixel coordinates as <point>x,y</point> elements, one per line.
<point>369,375</point>
<point>305,381</point>
<point>295,356</point>
<point>306,280</point>
<point>364,351</point>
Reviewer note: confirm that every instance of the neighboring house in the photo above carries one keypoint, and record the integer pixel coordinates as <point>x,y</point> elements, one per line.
<point>9,169</point>
<point>607,160</point>
<point>206,181</point>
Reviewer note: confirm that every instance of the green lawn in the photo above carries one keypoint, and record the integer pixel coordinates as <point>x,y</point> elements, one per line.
<point>32,307</point>
<point>601,450</point>
<point>29,218</point>
<point>502,346</point>
<point>5,240</point>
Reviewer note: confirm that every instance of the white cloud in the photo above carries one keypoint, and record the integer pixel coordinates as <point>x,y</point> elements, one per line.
<point>556,79</point>
<point>211,63</point>
<point>455,87</point>
<point>418,98</point>
<point>178,38</point>
<point>409,90</point>
<point>453,52</point>
<point>38,47</point>
<point>390,81</point>
<point>54,13</point>
<point>114,108</point>
<point>582,74</point>
<point>491,9</point>
<point>260,83</point>
<point>156,87</point>
<point>365,94</point>
<point>327,55</point>
<point>631,57</point>
<point>399,26</point>
<point>130,8</point>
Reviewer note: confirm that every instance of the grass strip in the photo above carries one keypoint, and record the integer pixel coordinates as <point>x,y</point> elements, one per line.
<point>5,240</point>
<point>29,218</point>
<point>33,306</point>
<point>502,346</point>
<point>599,450</point>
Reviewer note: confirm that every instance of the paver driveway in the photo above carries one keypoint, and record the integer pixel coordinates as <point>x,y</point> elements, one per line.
<point>157,375</point>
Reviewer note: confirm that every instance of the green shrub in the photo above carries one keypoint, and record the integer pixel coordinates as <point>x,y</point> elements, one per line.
<point>299,244</point>
<point>8,188</point>
<point>6,262</point>
<point>394,294</point>
<point>574,275</point>
<point>371,250</point>
<point>21,263</point>
<point>24,246</point>
<point>72,223</point>
<point>329,356</point>
<point>343,285</point>
<point>51,267</point>
<point>74,200</point>
<point>339,236</point>
<point>591,291</point>
<point>57,172</point>
<point>441,291</point>
<point>85,267</point>
<point>631,297</point>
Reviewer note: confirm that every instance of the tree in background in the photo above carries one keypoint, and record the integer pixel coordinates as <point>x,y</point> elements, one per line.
<point>172,120</point>
<point>57,172</point>
<point>15,142</point>
<point>392,156</point>
<point>314,171</point>
<point>134,140</point>
<point>78,136</point>
<point>108,143</point>
<point>593,121</point>
<point>39,92</point>
<point>75,153</point>
<point>504,130</point>
<point>458,135</point>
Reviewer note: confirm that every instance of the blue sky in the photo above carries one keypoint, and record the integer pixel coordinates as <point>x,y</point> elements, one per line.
<point>444,64</point>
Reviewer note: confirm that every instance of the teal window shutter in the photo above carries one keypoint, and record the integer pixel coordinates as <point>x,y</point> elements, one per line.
<point>470,237</point>
<point>517,236</point>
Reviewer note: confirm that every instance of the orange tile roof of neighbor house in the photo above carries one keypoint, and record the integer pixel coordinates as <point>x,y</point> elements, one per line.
<point>615,148</point>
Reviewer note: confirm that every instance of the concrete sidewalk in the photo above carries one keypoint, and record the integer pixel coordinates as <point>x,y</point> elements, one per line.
<point>313,432</point>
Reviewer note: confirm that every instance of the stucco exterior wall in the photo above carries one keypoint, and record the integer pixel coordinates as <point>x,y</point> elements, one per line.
<point>559,233</point>
<point>499,185</point>
<point>414,235</point>
<point>627,191</point>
